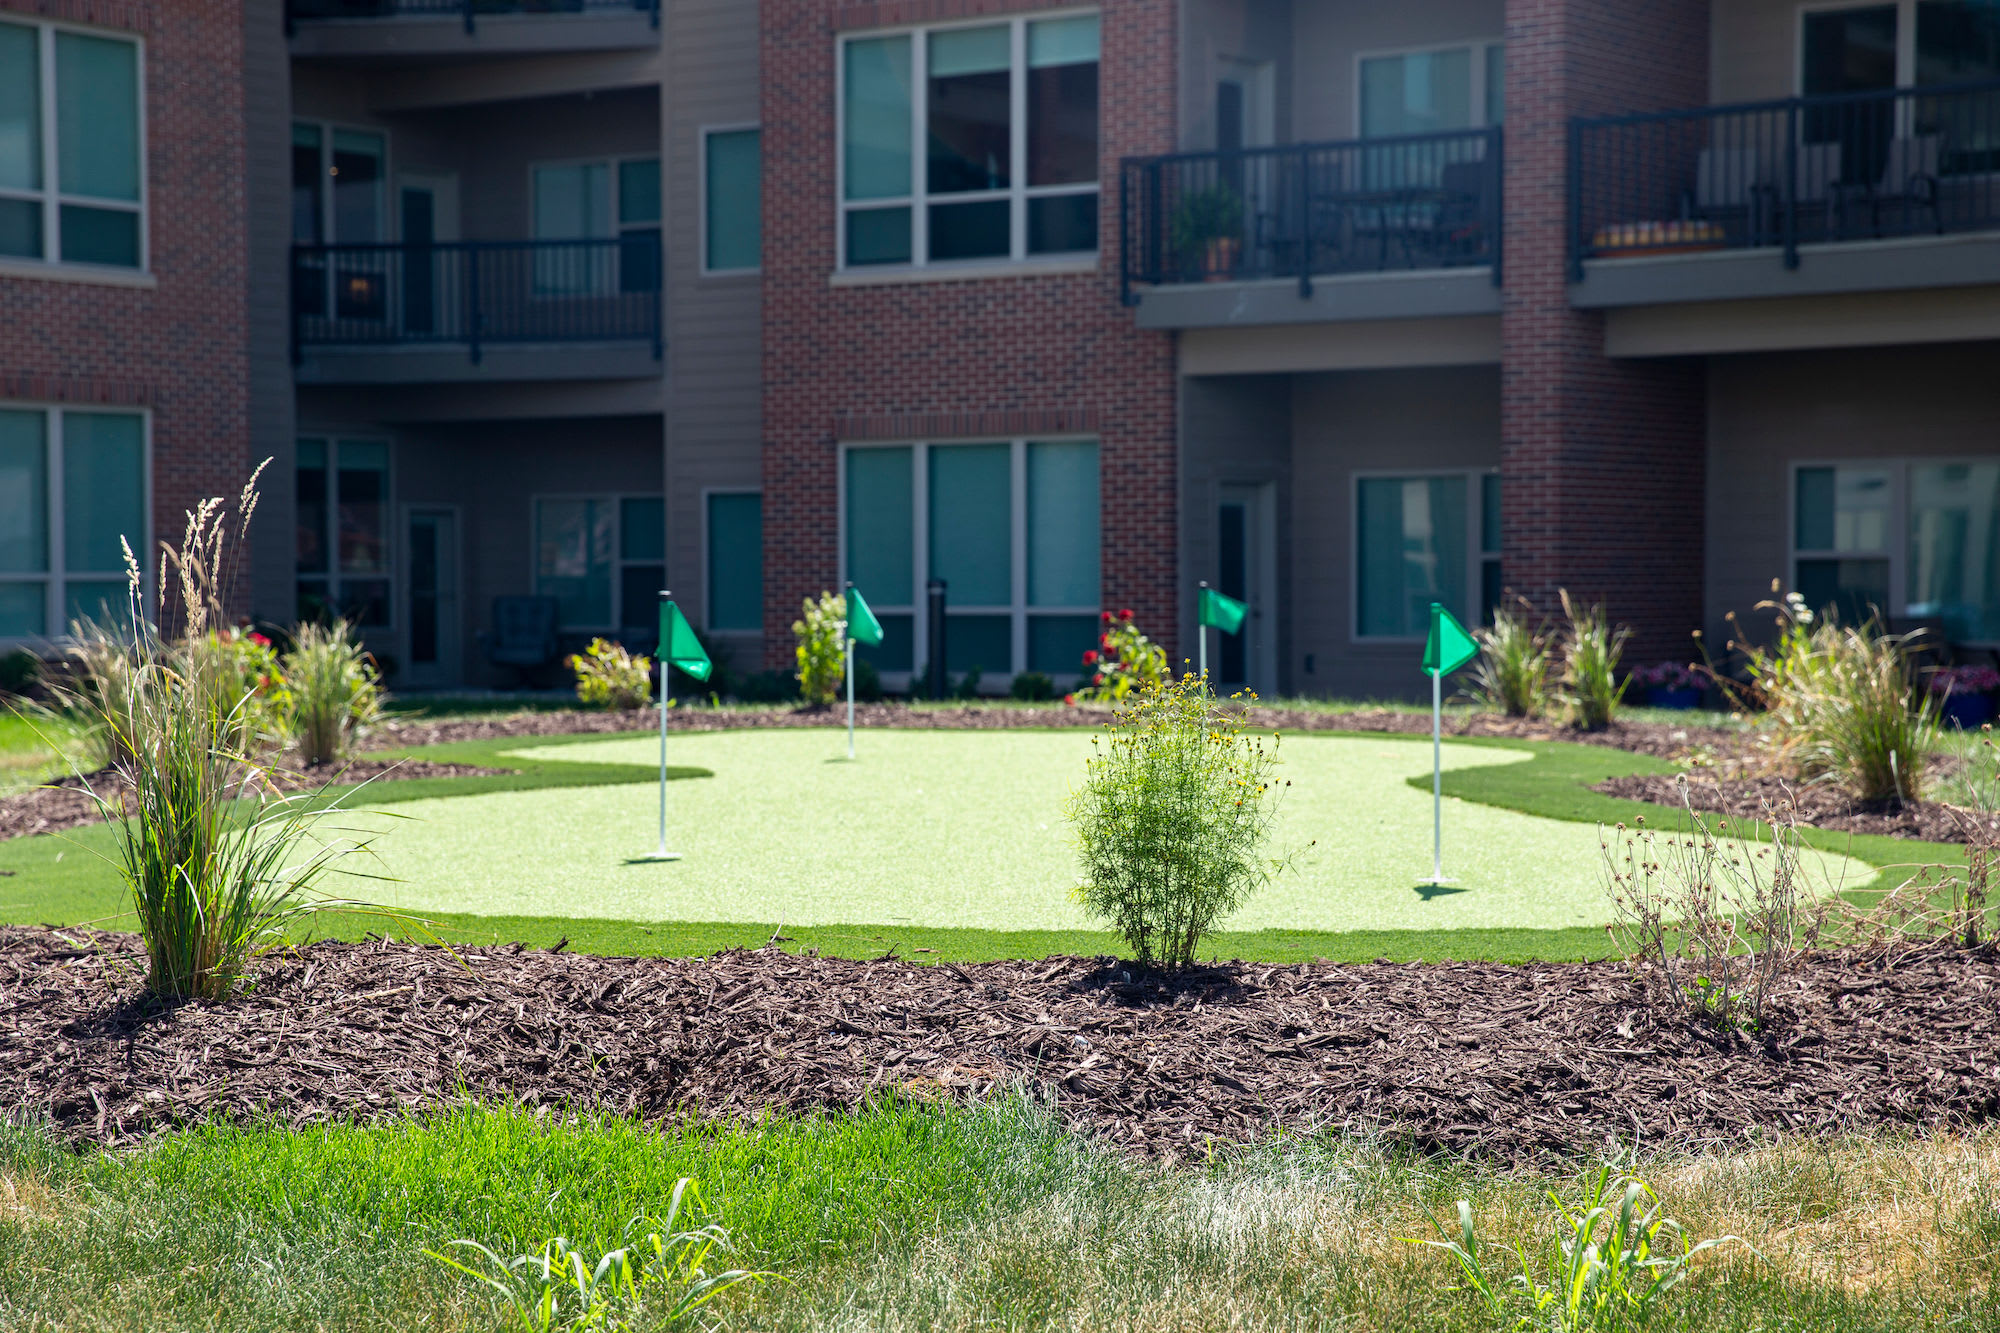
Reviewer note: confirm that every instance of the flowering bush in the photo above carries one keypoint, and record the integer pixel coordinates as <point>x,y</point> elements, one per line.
<point>1670,676</point>
<point>246,670</point>
<point>822,650</point>
<point>1965,680</point>
<point>607,676</point>
<point>1123,661</point>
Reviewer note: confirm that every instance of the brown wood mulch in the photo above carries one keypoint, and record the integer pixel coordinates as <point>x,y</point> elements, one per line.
<point>1502,1061</point>
<point>65,804</point>
<point>1659,739</point>
<point>1818,805</point>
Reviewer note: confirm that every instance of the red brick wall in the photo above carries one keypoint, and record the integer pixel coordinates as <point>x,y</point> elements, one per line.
<point>937,359</point>
<point>182,348</point>
<point>1602,459</point>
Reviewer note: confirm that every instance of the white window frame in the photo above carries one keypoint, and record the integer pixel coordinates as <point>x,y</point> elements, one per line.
<point>708,588</point>
<point>1477,92</point>
<point>50,195</point>
<point>1897,556</point>
<point>619,564</point>
<point>920,500</point>
<point>1476,557</point>
<point>54,605</point>
<point>703,135</point>
<point>391,542</point>
<point>918,201</point>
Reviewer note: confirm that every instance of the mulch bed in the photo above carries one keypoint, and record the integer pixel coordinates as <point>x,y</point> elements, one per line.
<point>65,804</point>
<point>1508,1062</point>
<point>1651,738</point>
<point>1818,805</point>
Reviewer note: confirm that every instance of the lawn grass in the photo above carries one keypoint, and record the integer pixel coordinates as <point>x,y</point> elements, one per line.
<point>925,1217</point>
<point>37,745</point>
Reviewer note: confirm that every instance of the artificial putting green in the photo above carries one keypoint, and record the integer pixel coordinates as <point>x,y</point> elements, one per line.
<point>934,829</point>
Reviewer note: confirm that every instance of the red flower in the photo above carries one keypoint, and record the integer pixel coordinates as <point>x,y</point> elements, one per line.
<point>1098,679</point>
<point>1107,617</point>
<point>1070,699</point>
<point>1090,657</point>
<point>259,640</point>
<point>1124,615</point>
<point>1104,641</point>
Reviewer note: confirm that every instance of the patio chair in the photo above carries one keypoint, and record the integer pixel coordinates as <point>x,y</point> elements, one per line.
<point>1908,185</point>
<point>523,635</point>
<point>1731,189</point>
<point>1461,224</point>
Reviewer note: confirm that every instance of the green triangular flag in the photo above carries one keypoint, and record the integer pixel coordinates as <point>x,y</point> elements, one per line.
<point>862,626</point>
<point>1225,613</point>
<point>1449,647</point>
<point>679,646</point>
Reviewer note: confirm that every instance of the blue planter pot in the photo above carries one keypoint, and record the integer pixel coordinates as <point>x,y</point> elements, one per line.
<point>1666,696</point>
<point>1969,712</point>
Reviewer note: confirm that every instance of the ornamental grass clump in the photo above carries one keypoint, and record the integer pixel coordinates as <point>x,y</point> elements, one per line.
<point>332,690</point>
<point>1516,658</point>
<point>1590,688</point>
<point>1173,818</point>
<point>217,864</point>
<point>609,676</point>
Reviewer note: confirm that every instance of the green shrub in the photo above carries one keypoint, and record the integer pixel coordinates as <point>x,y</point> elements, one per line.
<point>1844,702</point>
<point>1032,687</point>
<point>607,676</point>
<point>659,1279</point>
<point>1590,687</point>
<point>966,687</point>
<point>768,687</point>
<point>20,672</point>
<point>1515,660</point>
<point>247,669</point>
<point>867,681</point>
<point>1607,1262</point>
<point>1124,661</point>
<point>217,868</point>
<point>1213,213</point>
<point>332,688</point>
<point>822,650</point>
<point>1172,820</point>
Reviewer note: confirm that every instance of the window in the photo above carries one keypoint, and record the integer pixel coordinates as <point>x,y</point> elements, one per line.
<point>1416,543</point>
<point>1431,91</point>
<point>1012,528</point>
<point>604,559</point>
<point>1006,114</point>
<point>1918,540</point>
<point>342,545</point>
<point>339,197</point>
<point>735,561</point>
<point>72,497</point>
<point>593,202</point>
<point>1905,44</point>
<point>72,174</point>
<point>732,207</point>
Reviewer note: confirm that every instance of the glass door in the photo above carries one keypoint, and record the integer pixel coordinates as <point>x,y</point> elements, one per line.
<point>433,597</point>
<point>1246,561</point>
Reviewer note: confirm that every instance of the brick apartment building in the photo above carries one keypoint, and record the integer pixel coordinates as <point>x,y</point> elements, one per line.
<point>1342,305</point>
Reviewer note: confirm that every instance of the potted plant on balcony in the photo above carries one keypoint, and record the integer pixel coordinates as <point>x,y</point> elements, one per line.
<point>1671,684</point>
<point>1965,694</point>
<point>1207,232</point>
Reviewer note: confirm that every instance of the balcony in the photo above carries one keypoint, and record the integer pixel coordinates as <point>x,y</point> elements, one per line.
<point>477,310</point>
<point>1887,191</point>
<point>1390,228</point>
<point>371,29</point>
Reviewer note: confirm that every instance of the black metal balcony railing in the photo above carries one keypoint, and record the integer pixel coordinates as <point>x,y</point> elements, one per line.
<point>478,292</point>
<point>1312,210</point>
<point>470,11</point>
<point>1856,166</point>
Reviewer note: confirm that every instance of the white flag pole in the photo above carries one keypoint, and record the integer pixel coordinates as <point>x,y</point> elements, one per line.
<point>1201,636</point>
<point>1437,776</point>
<point>666,678</point>
<point>844,626</point>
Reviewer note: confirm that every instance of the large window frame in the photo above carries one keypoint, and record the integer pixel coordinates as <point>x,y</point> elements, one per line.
<point>55,618</point>
<point>1479,92</point>
<point>1897,536</point>
<point>50,195</point>
<point>920,199</point>
<point>1482,547</point>
<point>704,135</point>
<point>708,494</point>
<point>615,501</point>
<point>549,283</point>
<point>333,576</point>
<point>1018,607</point>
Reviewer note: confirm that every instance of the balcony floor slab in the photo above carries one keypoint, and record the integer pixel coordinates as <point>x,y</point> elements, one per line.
<point>1903,263</point>
<point>1416,294</point>
<point>450,363</point>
